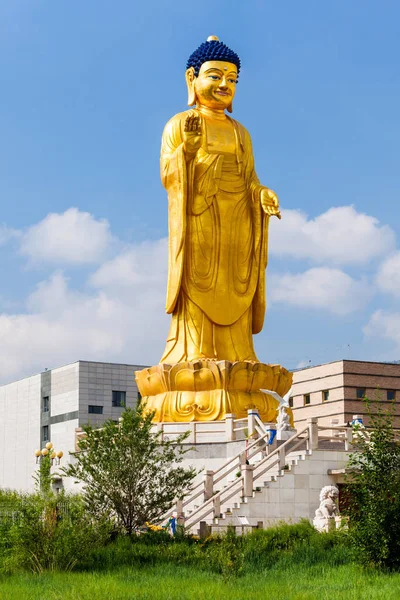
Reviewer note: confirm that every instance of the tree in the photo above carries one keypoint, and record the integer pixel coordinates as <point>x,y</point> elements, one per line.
<point>129,473</point>
<point>374,491</point>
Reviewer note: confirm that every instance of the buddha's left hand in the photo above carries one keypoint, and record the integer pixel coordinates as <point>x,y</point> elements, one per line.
<point>270,203</point>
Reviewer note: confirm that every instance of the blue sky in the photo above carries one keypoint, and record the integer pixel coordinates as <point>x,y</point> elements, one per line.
<point>86,90</point>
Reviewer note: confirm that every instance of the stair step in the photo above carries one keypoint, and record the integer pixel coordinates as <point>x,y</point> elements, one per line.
<point>269,477</point>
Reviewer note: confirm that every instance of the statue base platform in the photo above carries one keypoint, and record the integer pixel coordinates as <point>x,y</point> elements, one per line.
<point>327,524</point>
<point>208,390</point>
<point>283,436</point>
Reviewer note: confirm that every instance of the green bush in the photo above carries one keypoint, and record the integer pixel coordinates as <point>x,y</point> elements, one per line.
<point>55,533</point>
<point>228,555</point>
<point>47,533</point>
<point>374,488</point>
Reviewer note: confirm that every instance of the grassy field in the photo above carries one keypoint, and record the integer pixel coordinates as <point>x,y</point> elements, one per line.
<point>164,582</point>
<point>288,562</point>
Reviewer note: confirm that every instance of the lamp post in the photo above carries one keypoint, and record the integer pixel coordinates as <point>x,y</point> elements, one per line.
<point>46,458</point>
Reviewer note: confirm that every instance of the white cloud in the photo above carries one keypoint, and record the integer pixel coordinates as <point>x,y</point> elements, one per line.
<point>339,236</point>
<point>319,288</point>
<point>7,234</point>
<point>143,264</point>
<point>119,314</point>
<point>122,320</point>
<point>388,276</point>
<point>72,237</point>
<point>386,325</point>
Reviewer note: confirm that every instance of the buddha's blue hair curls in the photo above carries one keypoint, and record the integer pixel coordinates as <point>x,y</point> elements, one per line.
<point>212,50</point>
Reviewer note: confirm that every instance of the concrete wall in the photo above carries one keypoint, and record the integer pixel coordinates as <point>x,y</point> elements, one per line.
<point>70,389</point>
<point>96,384</point>
<point>19,432</point>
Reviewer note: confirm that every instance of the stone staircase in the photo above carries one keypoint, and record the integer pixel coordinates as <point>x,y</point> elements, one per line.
<point>266,484</point>
<point>289,494</point>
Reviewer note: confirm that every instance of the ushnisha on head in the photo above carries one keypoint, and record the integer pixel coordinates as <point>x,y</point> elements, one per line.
<point>211,75</point>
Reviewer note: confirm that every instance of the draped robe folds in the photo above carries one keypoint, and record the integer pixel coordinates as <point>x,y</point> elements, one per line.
<point>218,240</point>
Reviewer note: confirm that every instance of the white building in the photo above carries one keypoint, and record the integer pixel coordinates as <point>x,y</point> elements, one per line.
<point>49,406</point>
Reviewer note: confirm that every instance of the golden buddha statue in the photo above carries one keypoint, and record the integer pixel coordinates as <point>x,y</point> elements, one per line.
<point>218,246</point>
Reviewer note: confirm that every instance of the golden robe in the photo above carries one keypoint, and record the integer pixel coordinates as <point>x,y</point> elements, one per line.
<point>218,239</point>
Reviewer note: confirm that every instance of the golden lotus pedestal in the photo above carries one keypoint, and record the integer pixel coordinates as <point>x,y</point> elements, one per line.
<point>208,390</point>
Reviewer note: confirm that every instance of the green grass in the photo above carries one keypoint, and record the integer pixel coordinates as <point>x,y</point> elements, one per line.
<point>164,582</point>
<point>288,562</point>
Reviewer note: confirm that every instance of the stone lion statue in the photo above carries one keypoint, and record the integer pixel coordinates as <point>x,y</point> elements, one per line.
<point>328,508</point>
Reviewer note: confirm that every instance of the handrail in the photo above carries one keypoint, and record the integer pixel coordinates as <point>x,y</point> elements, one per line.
<point>239,454</point>
<point>309,435</point>
<point>193,496</point>
<point>337,427</point>
<point>248,454</point>
<point>268,467</point>
<point>260,427</point>
<point>171,511</point>
<point>211,501</point>
<point>277,453</point>
<point>259,422</point>
<point>257,474</point>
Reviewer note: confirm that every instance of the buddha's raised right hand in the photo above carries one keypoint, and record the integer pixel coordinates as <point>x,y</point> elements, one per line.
<point>192,135</point>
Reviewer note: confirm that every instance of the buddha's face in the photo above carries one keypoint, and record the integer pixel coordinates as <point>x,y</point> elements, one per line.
<point>215,85</point>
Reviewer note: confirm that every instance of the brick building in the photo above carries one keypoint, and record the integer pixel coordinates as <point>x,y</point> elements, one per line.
<point>334,392</point>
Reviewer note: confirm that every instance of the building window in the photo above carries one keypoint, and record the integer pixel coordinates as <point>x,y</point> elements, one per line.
<point>307,399</point>
<point>118,398</point>
<point>390,395</point>
<point>95,410</point>
<point>46,404</point>
<point>45,433</point>
<point>325,396</point>
<point>361,393</point>
<point>291,402</point>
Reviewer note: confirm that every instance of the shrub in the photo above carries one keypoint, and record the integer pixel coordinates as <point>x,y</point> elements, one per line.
<point>55,533</point>
<point>228,555</point>
<point>374,506</point>
<point>48,533</point>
